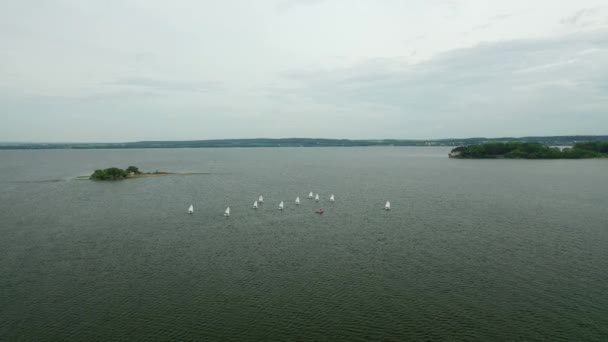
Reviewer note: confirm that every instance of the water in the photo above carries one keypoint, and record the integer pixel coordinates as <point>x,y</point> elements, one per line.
<point>472,249</point>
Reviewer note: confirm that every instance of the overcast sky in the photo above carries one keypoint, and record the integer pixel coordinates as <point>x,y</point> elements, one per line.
<point>126,70</point>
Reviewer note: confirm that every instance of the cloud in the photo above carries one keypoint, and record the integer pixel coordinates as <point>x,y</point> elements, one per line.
<point>482,27</point>
<point>162,85</point>
<point>584,17</point>
<point>494,20</point>
<point>506,87</point>
<point>503,16</point>
<point>287,5</point>
<point>209,63</point>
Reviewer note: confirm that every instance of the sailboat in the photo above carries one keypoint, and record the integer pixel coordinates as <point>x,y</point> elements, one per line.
<point>310,195</point>
<point>332,198</point>
<point>255,205</point>
<point>317,197</point>
<point>298,200</point>
<point>281,205</point>
<point>261,199</point>
<point>191,209</point>
<point>387,206</point>
<point>227,213</point>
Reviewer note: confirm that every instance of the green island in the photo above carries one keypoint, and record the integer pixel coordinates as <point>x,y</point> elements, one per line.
<point>114,173</point>
<point>531,150</point>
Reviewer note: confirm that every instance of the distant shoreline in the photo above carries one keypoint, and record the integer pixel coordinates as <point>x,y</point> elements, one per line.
<point>302,142</point>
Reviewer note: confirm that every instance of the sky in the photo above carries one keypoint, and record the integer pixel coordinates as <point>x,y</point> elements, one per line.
<point>133,70</point>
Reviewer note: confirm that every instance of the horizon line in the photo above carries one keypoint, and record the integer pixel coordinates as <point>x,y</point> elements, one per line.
<point>287,138</point>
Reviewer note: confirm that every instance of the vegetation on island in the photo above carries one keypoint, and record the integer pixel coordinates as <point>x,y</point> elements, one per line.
<point>527,150</point>
<point>114,173</point>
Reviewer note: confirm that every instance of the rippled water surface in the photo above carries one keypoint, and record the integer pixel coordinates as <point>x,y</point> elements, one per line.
<point>472,249</point>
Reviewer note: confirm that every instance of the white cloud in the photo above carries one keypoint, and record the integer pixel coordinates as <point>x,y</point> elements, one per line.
<point>542,86</point>
<point>362,68</point>
<point>286,5</point>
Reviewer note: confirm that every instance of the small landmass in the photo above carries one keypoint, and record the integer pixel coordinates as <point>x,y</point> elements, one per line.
<point>528,150</point>
<point>114,173</point>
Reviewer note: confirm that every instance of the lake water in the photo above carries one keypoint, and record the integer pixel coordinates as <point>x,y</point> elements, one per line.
<point>472,249</point>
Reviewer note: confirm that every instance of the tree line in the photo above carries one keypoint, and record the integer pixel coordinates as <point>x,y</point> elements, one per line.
<point>114,173</point>
<point>527,150</point>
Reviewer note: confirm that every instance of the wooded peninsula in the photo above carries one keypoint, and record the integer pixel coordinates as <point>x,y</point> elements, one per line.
<point>528,150</point>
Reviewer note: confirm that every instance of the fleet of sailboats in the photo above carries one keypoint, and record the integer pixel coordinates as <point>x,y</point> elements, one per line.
<point>332,198</point>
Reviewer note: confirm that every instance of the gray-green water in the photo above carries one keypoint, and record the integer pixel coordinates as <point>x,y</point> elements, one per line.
<point>472,250</point>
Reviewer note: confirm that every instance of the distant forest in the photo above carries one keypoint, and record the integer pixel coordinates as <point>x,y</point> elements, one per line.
<point>305,142</point>
<point>531,150</point>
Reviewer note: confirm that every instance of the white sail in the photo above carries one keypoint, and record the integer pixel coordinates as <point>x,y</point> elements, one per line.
<point>191,209</point>
<point>317,197</point>
<point>332,198</point>
<point>310,195</point>
<point>255,205</point>
<point>227,213</point>
<point>281,205</point>
<point>387,206</point>
<point>261,199</point>
<point>297,200</point>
